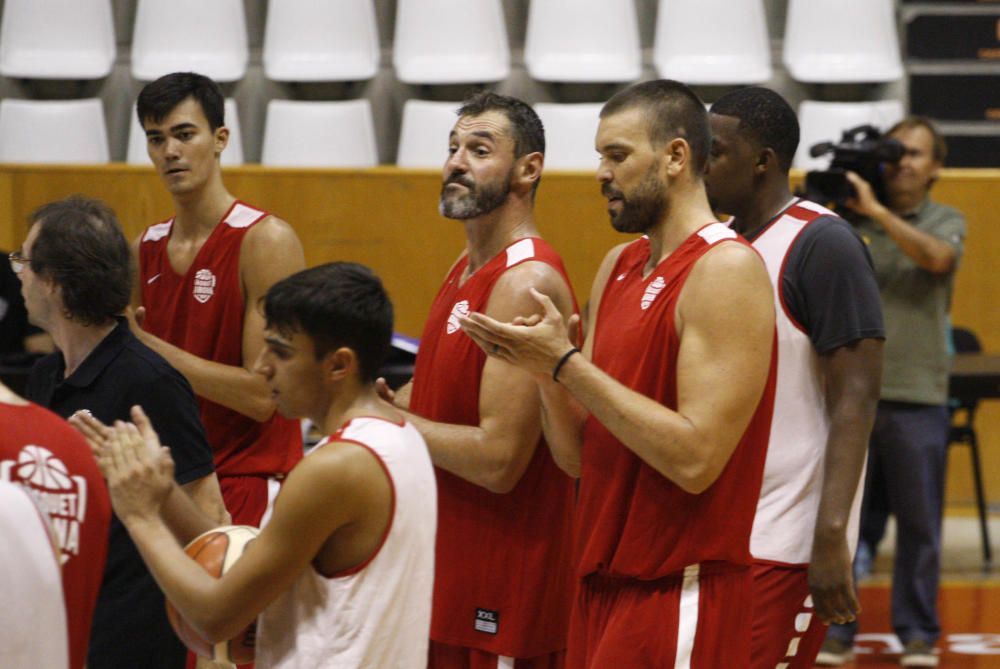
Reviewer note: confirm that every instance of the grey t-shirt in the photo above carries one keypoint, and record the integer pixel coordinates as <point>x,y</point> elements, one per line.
<point>915,305</point>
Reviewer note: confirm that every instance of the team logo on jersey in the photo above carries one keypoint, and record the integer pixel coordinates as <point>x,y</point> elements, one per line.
<point>61,495</point>
<point>204,285</point>
<point>461,309</point>
<point>654,288</point>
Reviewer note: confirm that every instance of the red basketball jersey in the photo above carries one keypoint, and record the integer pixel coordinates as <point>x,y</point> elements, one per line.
<point>40,451</point>
<point>202,312</point>
<point>632,521</point>
<point>503,571</point>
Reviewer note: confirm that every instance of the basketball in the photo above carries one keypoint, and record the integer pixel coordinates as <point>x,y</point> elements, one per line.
<point>217,551</point>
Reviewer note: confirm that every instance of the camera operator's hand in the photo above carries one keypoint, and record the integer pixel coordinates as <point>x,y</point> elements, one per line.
<point>864,201</point>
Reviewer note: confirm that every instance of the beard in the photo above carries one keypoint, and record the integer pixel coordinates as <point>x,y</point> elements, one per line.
<point>476,201</point>
<point>643,208</point>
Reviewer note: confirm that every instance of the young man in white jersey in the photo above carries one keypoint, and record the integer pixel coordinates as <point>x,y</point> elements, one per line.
<point>830,335</point>
<point>341,575</point>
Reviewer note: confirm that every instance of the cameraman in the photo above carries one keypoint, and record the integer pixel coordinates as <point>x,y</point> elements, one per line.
<point>916,245</point>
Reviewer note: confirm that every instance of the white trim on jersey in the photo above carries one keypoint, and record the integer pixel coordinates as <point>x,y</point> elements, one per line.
<point>519,251</point>
<point>243,216</point>
<point>687,623</point>
<point>504,662</point>
<point>155,233</point>
<point>273,488</point>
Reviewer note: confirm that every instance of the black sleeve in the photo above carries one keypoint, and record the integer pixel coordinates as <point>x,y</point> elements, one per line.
<point>829,287</point>
<point>173,410</point>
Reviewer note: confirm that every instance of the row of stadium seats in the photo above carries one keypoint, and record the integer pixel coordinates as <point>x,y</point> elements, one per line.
<point>456,41</point>
<point>341,134</point>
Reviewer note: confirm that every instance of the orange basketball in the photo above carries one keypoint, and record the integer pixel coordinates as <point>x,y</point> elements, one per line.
<point>217,551</point>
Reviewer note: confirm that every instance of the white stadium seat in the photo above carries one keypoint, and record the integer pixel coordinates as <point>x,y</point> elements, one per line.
<point>842,41</point>
<point>712,41</point>
<point>57,39</point>
<point>570,130</point>
<point>53,131</point>
<point>334,40</point>
<point>423,134</point>
<point>204,36</point>
<point>319,134</point>
<point>599,44</point>
<point>450,42</point>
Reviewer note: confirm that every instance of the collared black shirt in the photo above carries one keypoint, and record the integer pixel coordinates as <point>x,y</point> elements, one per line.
<point>130,626</point>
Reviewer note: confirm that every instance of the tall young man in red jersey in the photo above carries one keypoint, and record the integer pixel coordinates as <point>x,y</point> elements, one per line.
<point>665,416</point>
<point>830,333</point>
<point>502,577</point>
<point>201,275</point>
<point>41,452</point>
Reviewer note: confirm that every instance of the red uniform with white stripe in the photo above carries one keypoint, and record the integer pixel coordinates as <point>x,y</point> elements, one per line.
<point>653,555</point>
<point>202,312</point>
<point>503,574</point>
<point>40,451</point>
<point>785,626</point>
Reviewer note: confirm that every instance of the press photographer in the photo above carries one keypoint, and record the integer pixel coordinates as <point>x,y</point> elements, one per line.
<point>915,244</point>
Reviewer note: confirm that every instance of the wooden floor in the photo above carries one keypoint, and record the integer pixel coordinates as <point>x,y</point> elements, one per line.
<point>969,603</point>
<point>970,619</point>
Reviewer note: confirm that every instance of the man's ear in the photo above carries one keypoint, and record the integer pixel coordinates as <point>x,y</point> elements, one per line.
<point>529,169</point>
<point>767,160</point>
<point>340,364</point>
<point>221,139</point>
<point>676,155</point>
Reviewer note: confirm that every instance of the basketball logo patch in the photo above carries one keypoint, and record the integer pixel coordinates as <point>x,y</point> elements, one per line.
<point>204,285</point>
<point>59,494</point>
<point>460,310</point>
<point>655,287</point>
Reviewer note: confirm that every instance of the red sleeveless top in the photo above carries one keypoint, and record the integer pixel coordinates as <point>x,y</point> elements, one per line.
<point>202,313</point>
<point>503,570</point>
<point>633,522</point>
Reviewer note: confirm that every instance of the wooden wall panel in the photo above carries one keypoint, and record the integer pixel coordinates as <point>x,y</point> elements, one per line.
<point>387,218</point>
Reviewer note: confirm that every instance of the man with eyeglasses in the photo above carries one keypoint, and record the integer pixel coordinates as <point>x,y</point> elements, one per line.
<point>75,276</point>
<point>18,338</point>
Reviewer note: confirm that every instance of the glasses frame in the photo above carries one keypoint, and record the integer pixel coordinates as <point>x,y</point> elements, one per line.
<point>17,261</point>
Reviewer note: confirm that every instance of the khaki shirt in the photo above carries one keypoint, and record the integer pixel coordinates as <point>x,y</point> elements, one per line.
<point>915,305</point>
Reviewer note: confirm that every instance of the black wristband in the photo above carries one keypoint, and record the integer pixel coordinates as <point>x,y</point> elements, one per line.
<point>562,361</point>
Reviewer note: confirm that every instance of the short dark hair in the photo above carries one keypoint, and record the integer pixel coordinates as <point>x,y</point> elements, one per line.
<point>765,118</point>
<point>336,304</point>
<point>940,151</point>
<point>81,247</point>
<point>527,128</point>
<point>673,110</point>
<point>158,98</point>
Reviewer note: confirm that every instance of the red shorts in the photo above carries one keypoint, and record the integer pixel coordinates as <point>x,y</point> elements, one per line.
<point>248,499</point>
<point>700,620</point>
<point>786,631</point>
<point>444,656</point>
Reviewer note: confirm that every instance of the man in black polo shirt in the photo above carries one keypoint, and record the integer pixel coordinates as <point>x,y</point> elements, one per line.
<point>75,276</point>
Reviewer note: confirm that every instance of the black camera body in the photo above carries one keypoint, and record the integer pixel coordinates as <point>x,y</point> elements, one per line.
<point>862,150</point>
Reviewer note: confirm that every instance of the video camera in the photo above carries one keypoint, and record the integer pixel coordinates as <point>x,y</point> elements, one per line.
<point>862,150</point>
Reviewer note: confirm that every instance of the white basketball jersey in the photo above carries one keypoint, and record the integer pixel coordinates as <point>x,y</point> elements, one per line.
<point>378,614</point>
<point>793,472</point>
<point>33,616</point>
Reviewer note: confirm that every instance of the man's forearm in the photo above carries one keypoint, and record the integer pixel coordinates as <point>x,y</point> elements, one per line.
<point>926,250</point>
<point>465,451</point>
<point>562,424</point>
<point>662,438</point>
<point>233,387</point>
